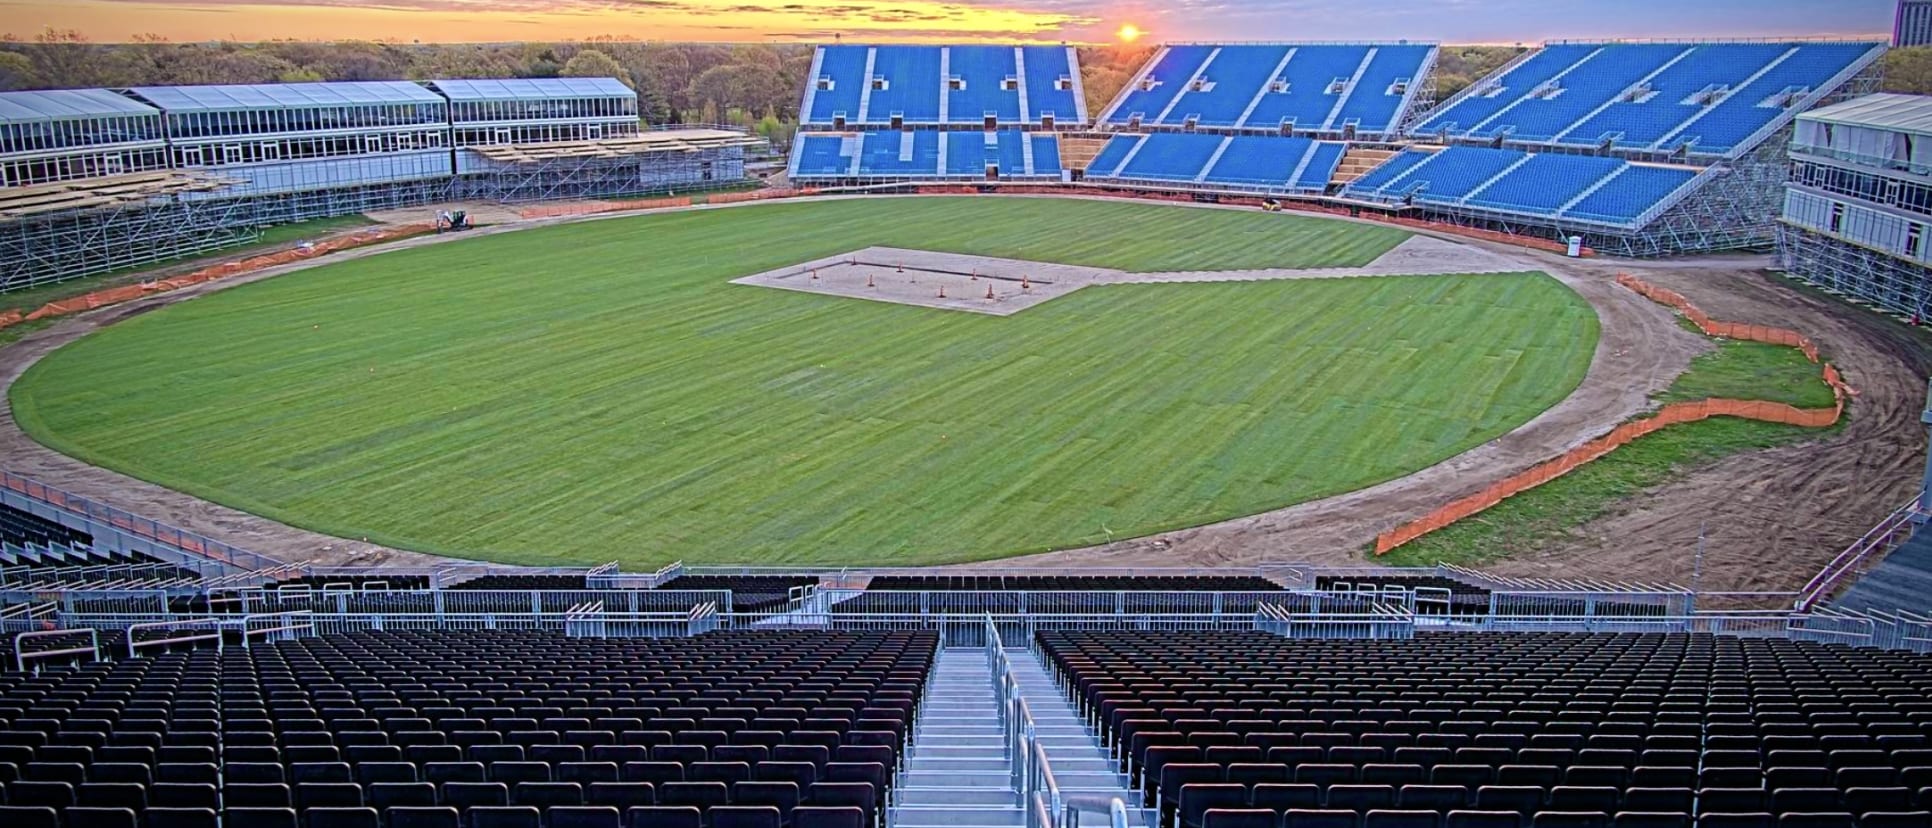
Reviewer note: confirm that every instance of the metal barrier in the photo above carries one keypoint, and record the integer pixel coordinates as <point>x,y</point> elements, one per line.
<point>1852,562</point>
<point>20,654</point>
<point>1379,622</point>
<point>211,630</point>
<point>184,542</point>
<point>1126,602</point>
<point>287,626</point>
<point>1032,770</point>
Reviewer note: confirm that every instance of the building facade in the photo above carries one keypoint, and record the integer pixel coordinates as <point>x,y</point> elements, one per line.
<point>1858,208</point>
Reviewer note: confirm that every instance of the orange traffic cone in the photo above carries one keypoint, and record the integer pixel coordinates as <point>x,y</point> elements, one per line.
<point>868,280</point>
<point>942,291</point>
<point>989,291</point>
<point>1025,284</point>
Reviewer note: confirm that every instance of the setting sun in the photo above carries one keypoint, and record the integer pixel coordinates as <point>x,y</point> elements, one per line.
<point>1129,33</point>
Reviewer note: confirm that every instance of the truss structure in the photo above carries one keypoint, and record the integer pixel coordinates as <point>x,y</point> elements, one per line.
<point>302,205</point>
<point>53,246</point>
<point>559,176</point>
<point>1862,274</point>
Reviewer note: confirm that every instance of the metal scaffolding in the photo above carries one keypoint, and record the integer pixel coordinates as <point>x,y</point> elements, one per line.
<point>302,205</point>
<point>53,246</point>
<point>1864,274</point>
<point>595,171</point>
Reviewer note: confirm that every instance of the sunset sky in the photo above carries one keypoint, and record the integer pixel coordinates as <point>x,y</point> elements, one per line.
<point>1453,21</point>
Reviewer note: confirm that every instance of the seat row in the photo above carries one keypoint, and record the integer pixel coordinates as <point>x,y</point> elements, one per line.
<point>485,816</point>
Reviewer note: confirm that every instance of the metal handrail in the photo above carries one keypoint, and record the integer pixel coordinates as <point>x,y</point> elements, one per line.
<point>287,627</point>
<point>133,646</point>
<point>20,654</point>
<point>195,546</point>
<point>1828,579</point>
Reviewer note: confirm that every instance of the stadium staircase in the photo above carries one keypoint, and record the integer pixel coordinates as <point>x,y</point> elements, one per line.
<point>958,772</point>
<point>1902,581</point>
<point>1077,153</point>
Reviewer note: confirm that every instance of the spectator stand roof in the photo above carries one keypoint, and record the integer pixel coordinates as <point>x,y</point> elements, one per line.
<point>105,191</point>
<point>245,97</point>
<point>68,105</point>
<point>1887,111</point>
<point>531,89</point>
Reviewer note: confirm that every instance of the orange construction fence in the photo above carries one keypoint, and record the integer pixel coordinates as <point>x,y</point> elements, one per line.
<point>1686,412</point>
<point>1712,327</point>
<point>115,295</point>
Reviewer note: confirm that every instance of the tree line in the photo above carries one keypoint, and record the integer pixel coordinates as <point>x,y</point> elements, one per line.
<point>756,86</point>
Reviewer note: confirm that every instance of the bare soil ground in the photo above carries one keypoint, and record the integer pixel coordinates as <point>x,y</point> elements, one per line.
<point>1774,517</point>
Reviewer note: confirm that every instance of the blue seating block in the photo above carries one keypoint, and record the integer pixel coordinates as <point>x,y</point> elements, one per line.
<point>1045,67</point>
<point>1545,182</point>
<point>1107,162</point>
<point>1631,193</point>
<point>844,67</point>
<point>983,69</point>
<point>1172,156</point>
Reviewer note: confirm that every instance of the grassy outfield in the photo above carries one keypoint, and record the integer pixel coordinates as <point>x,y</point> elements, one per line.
<point>597,391</point>
<point>1547,513</point>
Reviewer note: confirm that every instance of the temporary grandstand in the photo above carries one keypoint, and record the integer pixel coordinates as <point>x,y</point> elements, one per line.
<point>1859,205</point>
<point>94,179</point>
<point>1337,90</point>
<point>890,114</point>
<point>1639,149</point>
<point>989,87</point>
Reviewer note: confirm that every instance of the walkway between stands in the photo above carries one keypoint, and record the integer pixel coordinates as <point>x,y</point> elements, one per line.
<point>958,772</point>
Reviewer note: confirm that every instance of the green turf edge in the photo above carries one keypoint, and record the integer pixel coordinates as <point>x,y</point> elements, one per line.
<point>1555,511</point>
<point>39,430</point>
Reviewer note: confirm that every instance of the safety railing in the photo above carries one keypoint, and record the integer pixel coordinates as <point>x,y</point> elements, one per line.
<point>963,630</point>
<point>1827,626</point>
<point>1069,602</point>
<point>1861,555</point>
<point>277,626</point>
<point>151,602</point>
<point>1032,770</point>
<point>23,576</point>
<point>344,598</point>
<point>21,654</point>
<point>1376,622</point>
<point>188,543</point>
<point>191,630</point>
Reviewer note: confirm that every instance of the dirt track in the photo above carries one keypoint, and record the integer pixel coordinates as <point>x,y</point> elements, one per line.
<point>1774,516</point>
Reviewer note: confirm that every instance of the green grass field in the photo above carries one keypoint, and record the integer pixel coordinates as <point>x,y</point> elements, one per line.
<point>597,391</point>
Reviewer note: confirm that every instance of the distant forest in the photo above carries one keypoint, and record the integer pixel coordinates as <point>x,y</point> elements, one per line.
<point>757,86</point>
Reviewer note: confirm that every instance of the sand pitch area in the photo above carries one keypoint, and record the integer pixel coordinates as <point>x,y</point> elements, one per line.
<point>946,281</point>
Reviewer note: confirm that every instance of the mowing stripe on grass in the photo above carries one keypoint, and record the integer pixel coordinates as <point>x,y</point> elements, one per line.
<point>598,391</point>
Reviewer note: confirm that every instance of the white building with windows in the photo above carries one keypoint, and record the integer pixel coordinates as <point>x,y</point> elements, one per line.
<point>69,134</point>
<point>329,148</point>
<point>1859,202</point>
